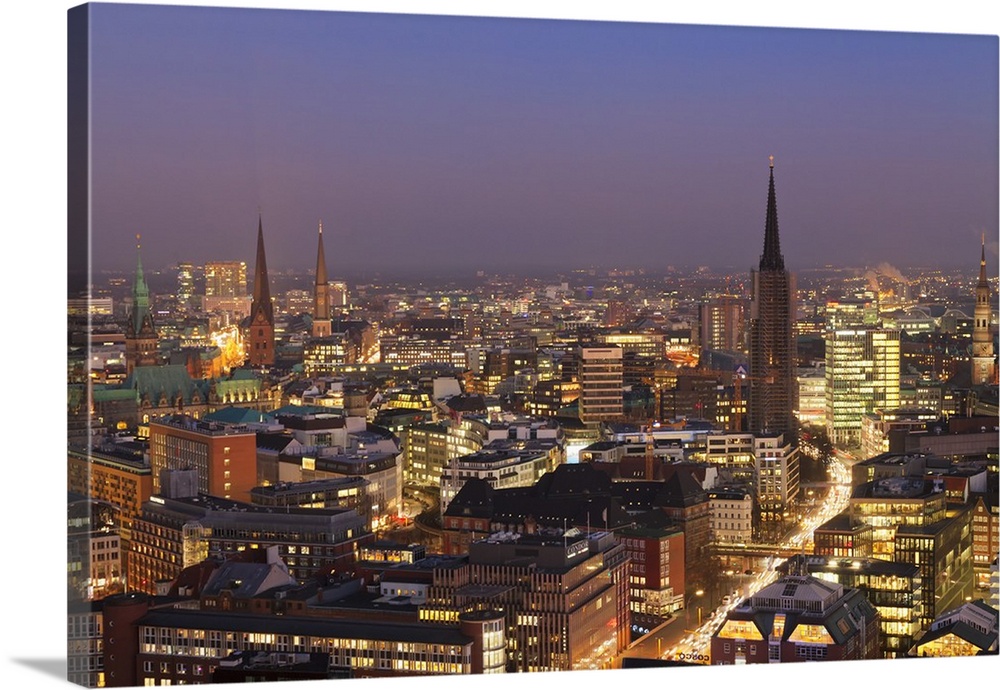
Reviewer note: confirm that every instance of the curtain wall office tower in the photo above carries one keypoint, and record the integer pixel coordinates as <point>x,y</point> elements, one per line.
<point>772,342</point>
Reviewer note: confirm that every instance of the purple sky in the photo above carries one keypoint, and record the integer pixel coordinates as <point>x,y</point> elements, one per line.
<point>480,143</point>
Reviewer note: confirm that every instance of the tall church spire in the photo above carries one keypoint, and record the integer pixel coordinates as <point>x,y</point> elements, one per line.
<point>771,259</point>
<point>772,389</point>
<point>984,370</point>
<point>261,286</point>
<point>140,331</point>
<point>261,338</point>
<point>321,296</point>
<point>322,306</point>
<point>983,282</point>
<point>140,291</point>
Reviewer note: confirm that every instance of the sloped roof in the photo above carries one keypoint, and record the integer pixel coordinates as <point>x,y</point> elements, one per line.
<point>169,381</point>
<point>247,579</point>
<point>573,480</point>
<point>962,630</point>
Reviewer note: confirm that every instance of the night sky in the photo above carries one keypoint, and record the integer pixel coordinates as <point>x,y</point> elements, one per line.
<point>484,143</point>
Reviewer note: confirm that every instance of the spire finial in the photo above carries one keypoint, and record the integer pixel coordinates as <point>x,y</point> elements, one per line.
<point>771,160</point>
<point>138,240</point>
<point>321,226</point>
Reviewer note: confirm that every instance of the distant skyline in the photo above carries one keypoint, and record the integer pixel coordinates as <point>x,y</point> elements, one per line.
<point>487,143</point>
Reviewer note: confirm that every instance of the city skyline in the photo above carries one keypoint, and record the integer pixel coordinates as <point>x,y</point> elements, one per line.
<point>486,143</point>
<point>36,48</point>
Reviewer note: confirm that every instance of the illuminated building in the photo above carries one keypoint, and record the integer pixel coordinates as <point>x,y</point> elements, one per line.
<point>888,465</point>
<point>176,533</point>
<point>721,323</point>
<point>968,630</point>
<point>912,522</point>
<point>862,376</point>
<point>839,537</point>
<point>983,357</point>
<point>943,552</point>
<point>185,286</point>
<point>261,329</point>
<point>812,396</point>
<point>516,465</point>
<point>321,354</point>
<point>505,363</point>
<point>600,374</point>
<point>338,492</point>
<point>648,342</point>
<point>164,645</point>
<point>656,573</point>
<point>94,549</point>
<point>985,533</point>
<point>117,475</point>
<point>731,516</point>
<point>428,448</point>
<point>772,343</point>
<point>570,608</point>
<point>382,472</point>
<point>140,331</point>
<point>224,455</point>
<point>877,426</point>
<point>732,451</point>
<point>799,618</point>
<point>85,648</point>
<point>226,288</point>
<point>776,463</point>
<point>93,306</point>
<point>337,292</point>
<point>894,589</point>
<point>890,502</point>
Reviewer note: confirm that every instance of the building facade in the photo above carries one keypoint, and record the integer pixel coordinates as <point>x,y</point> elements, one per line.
<point>601,397</point>
<point>225,455</point>
<point>862,376</point>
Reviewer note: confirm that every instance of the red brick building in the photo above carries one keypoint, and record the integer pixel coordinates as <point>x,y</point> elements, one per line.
<point>225,455</point>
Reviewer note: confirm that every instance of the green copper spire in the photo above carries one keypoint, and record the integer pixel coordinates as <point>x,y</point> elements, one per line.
<point>140,291</point>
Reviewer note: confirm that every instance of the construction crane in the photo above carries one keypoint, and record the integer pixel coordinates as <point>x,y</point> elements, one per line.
<point>650,444</point>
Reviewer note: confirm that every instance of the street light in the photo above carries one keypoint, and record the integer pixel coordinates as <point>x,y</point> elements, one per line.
<point>687,608</point>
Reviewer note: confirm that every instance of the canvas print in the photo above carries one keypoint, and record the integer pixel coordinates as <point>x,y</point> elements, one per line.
<point>409,345</point>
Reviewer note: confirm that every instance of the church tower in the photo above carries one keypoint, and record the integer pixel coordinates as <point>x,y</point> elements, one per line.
<point>772,341</point>
<point>140,332</point>
<point>261,336</point>
<point>983,362</point>
<point>321,297</point>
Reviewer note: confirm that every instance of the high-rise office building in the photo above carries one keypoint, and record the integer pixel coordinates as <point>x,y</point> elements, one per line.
<point>983,357</point>
<point>721,323</point>
<point>261,336</point>
<point>772,342</point>
<point>226,287</point>
<point>185,285</point>
<point>862,376</point>
<point>601,397</point>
